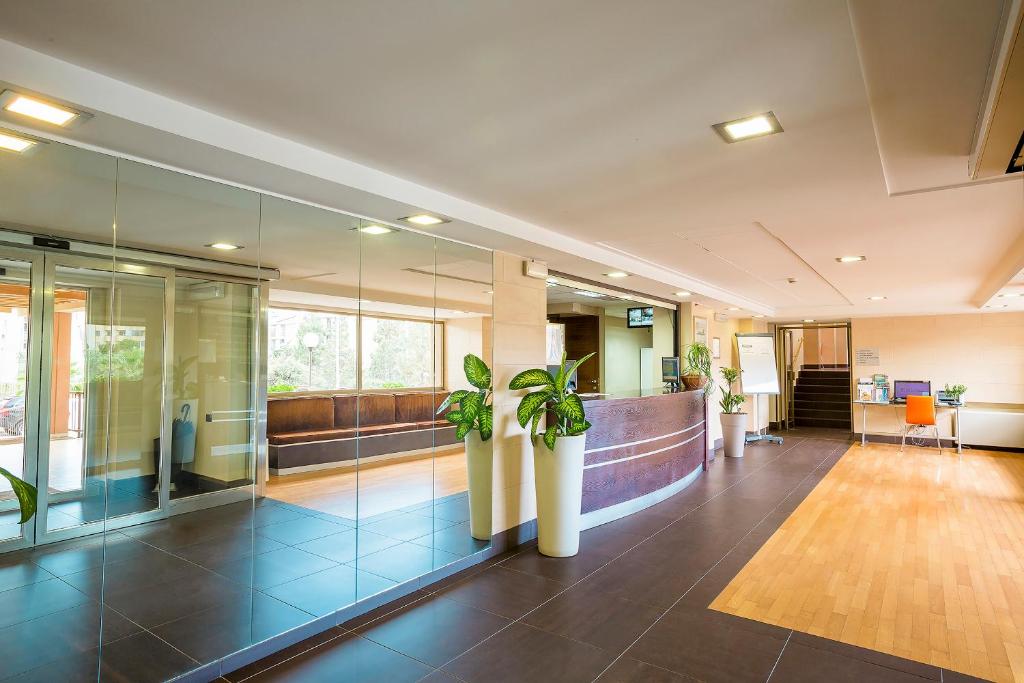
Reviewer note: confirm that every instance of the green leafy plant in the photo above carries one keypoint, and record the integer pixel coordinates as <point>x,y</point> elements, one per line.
<point>698,362</point>
<point>570,418</point>
<point>471,409</point>
<point>280,388</point>
<point>730,402</point>
<point>956,391</point>
<point>25,492</point>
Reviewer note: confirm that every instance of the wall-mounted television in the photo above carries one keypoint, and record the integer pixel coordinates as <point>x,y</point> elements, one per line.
<point>642,316</point>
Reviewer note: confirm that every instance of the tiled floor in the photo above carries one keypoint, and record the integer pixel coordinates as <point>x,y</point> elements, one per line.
<point>631,607</point>
<point>185,591</point>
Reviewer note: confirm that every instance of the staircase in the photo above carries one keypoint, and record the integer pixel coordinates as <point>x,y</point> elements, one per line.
<point>821,397</point>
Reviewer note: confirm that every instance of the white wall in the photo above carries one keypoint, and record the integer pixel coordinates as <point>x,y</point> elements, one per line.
<point>462,336</point>
<point>621,354</point>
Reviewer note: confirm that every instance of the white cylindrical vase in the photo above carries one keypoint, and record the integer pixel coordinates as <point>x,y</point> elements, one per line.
<point>479,470</point>
<point>558,478</point>
<point>734,433</point>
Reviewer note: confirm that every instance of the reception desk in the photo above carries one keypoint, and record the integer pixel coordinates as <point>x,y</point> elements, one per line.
<point>641,449</point>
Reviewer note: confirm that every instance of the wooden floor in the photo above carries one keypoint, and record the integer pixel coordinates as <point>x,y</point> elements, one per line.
<point>913,554</point>
<point>383,487</point>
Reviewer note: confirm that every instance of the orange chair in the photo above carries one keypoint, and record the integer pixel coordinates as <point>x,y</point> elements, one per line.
<point>920,413</point>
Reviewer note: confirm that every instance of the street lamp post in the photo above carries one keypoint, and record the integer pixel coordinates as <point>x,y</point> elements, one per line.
<point>310,340</point>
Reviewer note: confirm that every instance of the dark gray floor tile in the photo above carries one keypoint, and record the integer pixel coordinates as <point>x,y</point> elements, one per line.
<point>220,631</point>
<point>348,659</point>
<point>37,600</point>
<point>455,539</point>
<point>522,653</point>
<point>151,606</point>
<point>592,617</point>
<point>434,630</point>
<point>800,663</point>
<point>329,590</point>
<point>347,545</point>
<point>406,527</point>
<point>871,656</point>
<point>20,571</point>
<point>565,570</point>
<point>711,646</point>
<point>79,555</point>
<point>504,591</point>
<point>147,568</point>
<point>627,670</point>
<point>659,585</point>
<point>229,546</point>
<point>299,530</point>
<point>275,567</point>
<point>307,645</point>
<point>403,561</point>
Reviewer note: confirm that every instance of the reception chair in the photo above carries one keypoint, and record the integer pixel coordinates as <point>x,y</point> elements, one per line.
<point>920,413</point>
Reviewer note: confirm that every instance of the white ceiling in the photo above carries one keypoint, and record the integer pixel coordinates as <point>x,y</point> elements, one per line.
<point>584,127</point>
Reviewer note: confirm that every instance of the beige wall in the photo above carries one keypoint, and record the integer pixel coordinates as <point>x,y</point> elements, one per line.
<point>984,351</point>
<point>463,335</point>
<point>620,354</point>
<point>520,319</point>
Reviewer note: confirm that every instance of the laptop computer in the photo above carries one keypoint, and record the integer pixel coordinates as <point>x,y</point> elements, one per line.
<point>901,388</point>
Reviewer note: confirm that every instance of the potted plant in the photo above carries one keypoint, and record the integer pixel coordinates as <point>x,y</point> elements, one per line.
<point>697,374</point>
<point>955,392</point>
<point>473,416</point>
<point>557,454</point>
<point>734,423</point>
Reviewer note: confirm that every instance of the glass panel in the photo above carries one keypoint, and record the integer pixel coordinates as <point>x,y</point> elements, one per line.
<point>212,406</point>
<point>311,417</point>
<point>463,472</point>
<point>396,409</point>
<point>120,391</point>
<point>15,321</point>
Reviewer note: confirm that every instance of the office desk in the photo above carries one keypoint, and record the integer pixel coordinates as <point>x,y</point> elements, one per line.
<point>938,406</point>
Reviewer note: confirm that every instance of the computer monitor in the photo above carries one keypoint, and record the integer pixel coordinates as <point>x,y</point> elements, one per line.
<point>901,388</point>
<point>670,369</point>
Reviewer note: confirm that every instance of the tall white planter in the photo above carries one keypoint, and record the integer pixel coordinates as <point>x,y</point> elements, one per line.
<point>558,478</point>
<point>734,433</point>
<point>480,469</point>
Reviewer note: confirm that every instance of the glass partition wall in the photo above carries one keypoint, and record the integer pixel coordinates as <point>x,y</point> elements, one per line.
<point>228,404</point>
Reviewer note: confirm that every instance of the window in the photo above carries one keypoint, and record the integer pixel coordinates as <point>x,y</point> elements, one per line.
<point>401,353</point>
<point>311,350</point>
<point>316,350</point>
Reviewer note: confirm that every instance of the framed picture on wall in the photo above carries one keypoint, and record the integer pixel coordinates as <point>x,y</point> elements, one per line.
<point>700,330</point>
<point>716,347</point>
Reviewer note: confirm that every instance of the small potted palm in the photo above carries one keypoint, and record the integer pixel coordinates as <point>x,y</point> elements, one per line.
<point>955,392</point>
<point>557,454</point>
<point>734,423</point>
<point>697,373</point>
<point>473,416</point>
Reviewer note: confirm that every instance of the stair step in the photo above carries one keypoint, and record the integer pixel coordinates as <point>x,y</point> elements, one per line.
<point>821,389</point>
<point>817,412</point>
<point>822,382</point>
<point>841,404</point>
<point>821,422</point>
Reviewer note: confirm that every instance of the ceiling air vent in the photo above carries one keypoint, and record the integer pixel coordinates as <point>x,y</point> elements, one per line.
<point>1017,160</point>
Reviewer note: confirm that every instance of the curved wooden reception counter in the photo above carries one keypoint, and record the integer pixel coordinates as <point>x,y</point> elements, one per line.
<point>641,449</point>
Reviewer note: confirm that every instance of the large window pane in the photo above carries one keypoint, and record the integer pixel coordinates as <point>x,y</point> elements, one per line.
<point>310,350</point>
<point>401,354</point>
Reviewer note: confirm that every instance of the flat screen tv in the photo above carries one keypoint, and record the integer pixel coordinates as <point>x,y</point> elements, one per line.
<point>640,317</point>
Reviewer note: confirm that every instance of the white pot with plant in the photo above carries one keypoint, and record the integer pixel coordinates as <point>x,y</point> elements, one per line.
<point>557,455</point>
<point>955,393</point>
<point>697,373</point>
<point>734,423</point>
<point>473,416</point>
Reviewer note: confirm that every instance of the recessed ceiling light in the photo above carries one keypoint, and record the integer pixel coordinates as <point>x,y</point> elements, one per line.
<point>592,295</point>
<point>224,246</point>
<point>876,298</point>
<point>37,109</point>
<point>15,143</point>
<point>1010,295</point>
<point>749,127</point>
<point>616,274</point>
<point>424,219</point>
<point>733,308</point>
<point>375,230</point>
<point>489,291</point>
<point>758,315</point>
<point>808,320</point>
<point>851,259</point>
<point>684,293</point>
<point>997,306</point>
<point>552,280</point>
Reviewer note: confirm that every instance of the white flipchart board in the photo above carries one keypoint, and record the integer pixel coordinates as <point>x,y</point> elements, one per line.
<point>757,361</point>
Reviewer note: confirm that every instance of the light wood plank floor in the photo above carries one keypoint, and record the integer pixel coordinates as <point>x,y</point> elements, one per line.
<point>382,487</point>
<point>915,554</point>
